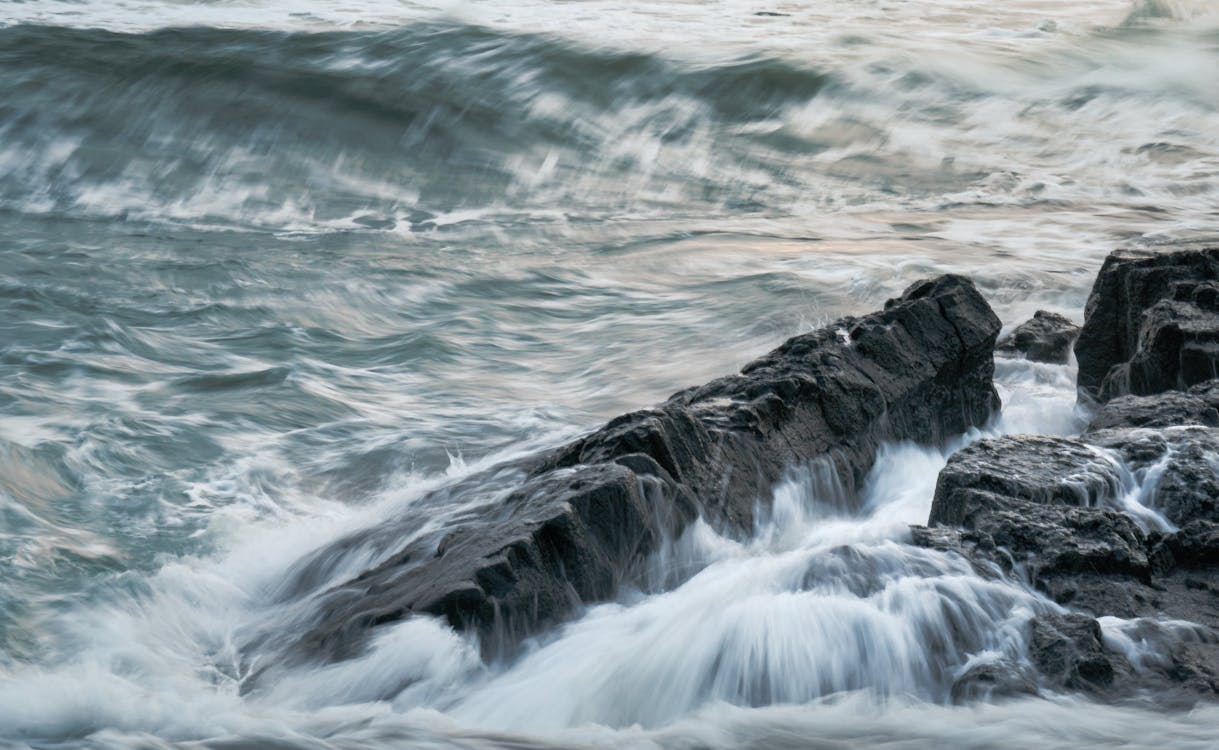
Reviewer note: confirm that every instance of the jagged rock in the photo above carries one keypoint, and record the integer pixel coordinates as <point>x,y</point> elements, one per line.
<point>1049,509</point>
<point>1178,346</point>
<point>993,680</point>
<point>1183,463</point>
<point>1130,342</point>
<point>1197,406</point>
<point>1047,337</point>
<point>575,523</point>
<point>1054,541</point>
<point>1070,652</point>
<point>1194,546</point>
<point>1030,467</point>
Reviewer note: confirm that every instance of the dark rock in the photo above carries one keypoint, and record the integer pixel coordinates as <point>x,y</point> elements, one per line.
<point>1036,507</point>
<point>1194,546</point>
<point>1070,652</point>
<point>1197,406</point>
<point>1176,662</point>
<point>1052,541</point>
<point>1029,467</point>
<point>1047,337</point>
<point>994,680</point>
<point>1178,346</point>
<point>1176,343</point>
<point>1181,465</point>
<point>541,538</point>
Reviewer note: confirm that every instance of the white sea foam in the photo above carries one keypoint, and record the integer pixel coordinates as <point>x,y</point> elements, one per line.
<point>601,248</point>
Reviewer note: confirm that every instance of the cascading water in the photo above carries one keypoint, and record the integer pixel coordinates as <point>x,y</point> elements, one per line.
<point>273,272</point>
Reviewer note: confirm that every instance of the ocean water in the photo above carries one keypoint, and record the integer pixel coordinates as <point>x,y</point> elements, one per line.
<point>270,271</point>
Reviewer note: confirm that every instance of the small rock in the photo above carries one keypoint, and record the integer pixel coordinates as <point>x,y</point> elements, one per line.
<point>1069,650</point>
<point>1047,337</point>
<point>992,680</point>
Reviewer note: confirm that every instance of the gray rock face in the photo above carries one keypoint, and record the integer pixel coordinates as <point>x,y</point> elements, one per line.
<point>1050,509</point>
<point>1178,346</point>
<point>1150,323</point>
<point>1034,468</point>
<point>1197,406</point>
<point>1047,337</point>
<point>575,523</point>
<point>1070,651</point>
<point>1184,460</point>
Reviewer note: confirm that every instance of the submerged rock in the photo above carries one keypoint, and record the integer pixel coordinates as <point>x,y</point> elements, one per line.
<point>1070,652</point>
<point>993,680</point>
<point>1150,323</point>
<point>542,537</point>
<point>1047,337</point>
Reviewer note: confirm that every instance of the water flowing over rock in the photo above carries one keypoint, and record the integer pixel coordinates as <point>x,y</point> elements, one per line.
<point>1046,337</point>
<point>566,528</point>
<point>1121,524</point>
<point>1151,323</point>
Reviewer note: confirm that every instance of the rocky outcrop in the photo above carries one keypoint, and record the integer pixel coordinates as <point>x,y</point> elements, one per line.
<point>1197,406</point>
<point>540,538</point>
<point>1151,323</point>
<point>1093,523</point>
<point>1046,337</point>
<point>1121,524</point>
<point>1181,464</point>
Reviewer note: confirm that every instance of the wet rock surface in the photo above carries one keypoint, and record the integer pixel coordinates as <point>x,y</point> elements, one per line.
<point>547,535</point>
<point>1069,650</point>
<point>1150,323</point>
<point>1121,524</point>
<point>1054,512</point>
<point>1197,406</point>
<point>1178,346</point>
<point>1180,464</point>
<point>1033,468</point>
<point>1046,337</point>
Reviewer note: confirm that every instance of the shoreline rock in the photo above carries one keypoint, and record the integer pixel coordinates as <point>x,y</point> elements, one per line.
<point>1150,324</point>
<point>1051,511</point>
<point>1120,524</point>
<point>555,532</point>
<point>1046,337</point>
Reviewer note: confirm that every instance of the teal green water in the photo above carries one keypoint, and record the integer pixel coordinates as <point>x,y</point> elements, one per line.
<point>265,281</point>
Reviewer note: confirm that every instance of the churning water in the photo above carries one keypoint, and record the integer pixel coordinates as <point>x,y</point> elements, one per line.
<point>271,270</point>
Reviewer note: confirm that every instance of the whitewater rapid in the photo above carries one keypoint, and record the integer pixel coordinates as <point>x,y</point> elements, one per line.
<point>271,272</point>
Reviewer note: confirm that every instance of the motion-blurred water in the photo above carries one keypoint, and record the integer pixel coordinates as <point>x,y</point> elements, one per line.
<point>270,270</point>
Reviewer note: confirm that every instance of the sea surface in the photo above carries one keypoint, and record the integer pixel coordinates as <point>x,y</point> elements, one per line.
<point>270,270</point>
